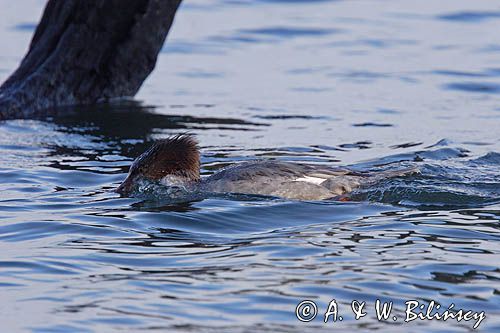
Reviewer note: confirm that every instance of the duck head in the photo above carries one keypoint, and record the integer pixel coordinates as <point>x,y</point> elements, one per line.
<point>177,157</point>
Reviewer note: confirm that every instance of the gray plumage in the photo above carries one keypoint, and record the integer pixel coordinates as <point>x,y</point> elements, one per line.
<point>291,180</point>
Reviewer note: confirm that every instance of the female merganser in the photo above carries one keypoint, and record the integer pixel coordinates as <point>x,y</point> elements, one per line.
<point>176,162</point>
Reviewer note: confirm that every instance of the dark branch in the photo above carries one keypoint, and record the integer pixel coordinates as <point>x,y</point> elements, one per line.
<point>87,51</point>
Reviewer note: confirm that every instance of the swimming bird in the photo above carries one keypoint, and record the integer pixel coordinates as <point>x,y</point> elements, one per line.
<point>175,161</point>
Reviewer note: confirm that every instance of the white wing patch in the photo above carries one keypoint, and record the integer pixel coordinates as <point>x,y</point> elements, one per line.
<point>310,179</point>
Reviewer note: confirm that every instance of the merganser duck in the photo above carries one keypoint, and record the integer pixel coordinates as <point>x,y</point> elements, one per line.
<point>176,162</point>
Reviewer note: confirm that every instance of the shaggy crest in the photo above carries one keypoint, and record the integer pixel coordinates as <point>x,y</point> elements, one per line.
<point>176,156</point>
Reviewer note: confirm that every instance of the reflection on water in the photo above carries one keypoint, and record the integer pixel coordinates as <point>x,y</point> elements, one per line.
<point>367,84</point>
<point>471,16</point>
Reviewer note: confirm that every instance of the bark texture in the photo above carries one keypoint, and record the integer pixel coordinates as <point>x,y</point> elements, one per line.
<point>87,51</point>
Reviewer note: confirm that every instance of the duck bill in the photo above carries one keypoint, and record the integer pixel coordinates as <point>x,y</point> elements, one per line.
<point>126,187</point>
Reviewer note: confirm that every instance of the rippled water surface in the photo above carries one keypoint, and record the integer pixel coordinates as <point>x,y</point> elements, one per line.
<point>371,84</point>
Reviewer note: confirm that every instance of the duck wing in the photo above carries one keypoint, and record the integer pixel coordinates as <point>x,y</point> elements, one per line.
<point>282,179</point>
<point>278,171</point>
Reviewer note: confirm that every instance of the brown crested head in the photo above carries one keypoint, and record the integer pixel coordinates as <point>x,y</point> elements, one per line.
<point>176,156</point>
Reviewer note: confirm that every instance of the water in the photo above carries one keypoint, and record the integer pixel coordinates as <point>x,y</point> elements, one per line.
<point>371,84</point>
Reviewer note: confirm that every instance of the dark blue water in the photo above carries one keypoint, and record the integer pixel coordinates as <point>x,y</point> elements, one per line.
<point>369,84</point>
